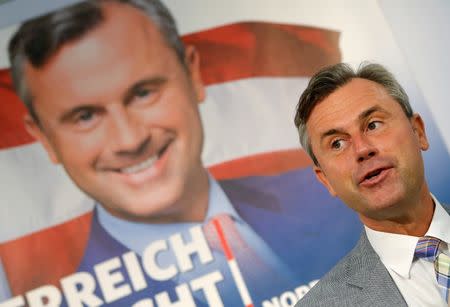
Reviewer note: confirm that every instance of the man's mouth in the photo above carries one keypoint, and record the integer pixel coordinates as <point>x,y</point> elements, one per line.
<point>143,165</point>
<point>374,177</point>
<point>140,166</point>
<point>373,174</point>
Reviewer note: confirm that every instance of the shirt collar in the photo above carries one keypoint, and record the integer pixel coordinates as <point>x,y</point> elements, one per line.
<point>125,231</point>
<point>219,202</point>
<point>396,251</point>
<point>440,224</point>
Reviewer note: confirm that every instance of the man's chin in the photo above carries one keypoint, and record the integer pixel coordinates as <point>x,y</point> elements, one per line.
<point>384,209</point>
<point>151,207</point>
<point>141,214</point>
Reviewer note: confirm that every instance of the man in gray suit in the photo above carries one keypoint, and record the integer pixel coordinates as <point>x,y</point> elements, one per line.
<point>366,144</point>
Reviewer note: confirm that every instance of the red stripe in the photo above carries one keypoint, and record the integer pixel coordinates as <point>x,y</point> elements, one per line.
<point>261,49</point>
<point>12,110</point>
<point>230,52</point>
<point>223,241</point>
<point>46,256</point>
<point>264,164</point>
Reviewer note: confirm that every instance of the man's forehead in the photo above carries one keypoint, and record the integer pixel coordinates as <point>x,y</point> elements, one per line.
<point>103,39</point>
<point>106,60</point>
<point>348,103</point>
<point>357,89</point>
<point>121,13</point>
<point>122,20</point>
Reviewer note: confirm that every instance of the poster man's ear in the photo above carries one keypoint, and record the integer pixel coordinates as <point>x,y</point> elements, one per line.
<point>192,60</point>
<point>36,131</point>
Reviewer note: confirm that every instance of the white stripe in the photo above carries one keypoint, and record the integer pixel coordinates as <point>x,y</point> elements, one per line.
<point>240,284</point>
<point>5,35</point>
<point>35,194</point>
<point>250,116</point>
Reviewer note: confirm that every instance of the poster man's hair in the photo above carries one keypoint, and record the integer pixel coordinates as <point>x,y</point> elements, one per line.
<point>40,38</point>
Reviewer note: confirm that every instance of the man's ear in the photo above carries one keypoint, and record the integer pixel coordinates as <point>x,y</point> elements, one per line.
<point>419,129</point>
<point>35,130</point>
<point>192,61</point>
<point>323,179</point>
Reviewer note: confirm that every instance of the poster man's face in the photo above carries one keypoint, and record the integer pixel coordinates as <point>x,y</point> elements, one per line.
<point>368,150</point>
<point>118,110</point>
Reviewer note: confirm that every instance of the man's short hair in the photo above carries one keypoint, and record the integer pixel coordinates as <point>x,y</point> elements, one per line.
<point>331,78</point>
<point>40,38</point>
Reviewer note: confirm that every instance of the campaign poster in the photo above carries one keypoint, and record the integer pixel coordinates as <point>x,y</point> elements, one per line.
<point>268,230</point>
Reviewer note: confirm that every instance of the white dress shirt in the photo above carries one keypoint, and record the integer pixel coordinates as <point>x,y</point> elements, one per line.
<point>415,278</point>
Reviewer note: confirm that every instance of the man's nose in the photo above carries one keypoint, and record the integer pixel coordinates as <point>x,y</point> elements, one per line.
<point>364,149</point>
<point>127,134</point>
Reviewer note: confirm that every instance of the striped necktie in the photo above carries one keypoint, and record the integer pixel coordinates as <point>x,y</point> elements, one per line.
<point>430,249</point>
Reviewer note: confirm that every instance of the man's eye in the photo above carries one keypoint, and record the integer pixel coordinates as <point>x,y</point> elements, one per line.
<point>142,92</point>
<point>373,125</point>
<point>337,144</point>
<point>85,116</point>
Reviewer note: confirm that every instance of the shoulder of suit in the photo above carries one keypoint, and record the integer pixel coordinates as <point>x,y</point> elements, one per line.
<point>332,289</point>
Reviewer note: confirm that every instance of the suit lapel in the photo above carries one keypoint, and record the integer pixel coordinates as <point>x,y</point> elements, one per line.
<point>366,272</point>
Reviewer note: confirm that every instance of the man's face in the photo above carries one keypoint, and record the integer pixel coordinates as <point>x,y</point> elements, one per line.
<point>369,152</point>
<point>119,110</point>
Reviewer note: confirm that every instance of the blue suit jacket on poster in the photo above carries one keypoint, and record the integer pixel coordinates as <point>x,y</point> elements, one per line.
<point>305,227</point>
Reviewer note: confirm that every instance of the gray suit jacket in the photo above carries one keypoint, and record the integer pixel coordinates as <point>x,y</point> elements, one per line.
<point>359,279</point>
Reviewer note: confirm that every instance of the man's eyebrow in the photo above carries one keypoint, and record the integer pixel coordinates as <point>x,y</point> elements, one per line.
<point>330,132</point>
<point>131,91</point>
<point>365,114</point>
